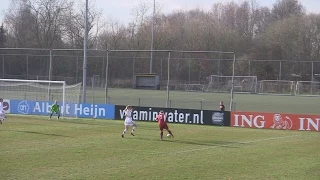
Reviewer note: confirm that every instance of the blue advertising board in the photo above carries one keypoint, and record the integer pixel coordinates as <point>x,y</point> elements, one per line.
<point>99,111</point>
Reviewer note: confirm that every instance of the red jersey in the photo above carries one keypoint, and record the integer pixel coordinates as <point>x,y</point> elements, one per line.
<point>162,121</point>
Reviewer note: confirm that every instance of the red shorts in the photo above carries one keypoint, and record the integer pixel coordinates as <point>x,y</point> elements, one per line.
<point>163,126</point>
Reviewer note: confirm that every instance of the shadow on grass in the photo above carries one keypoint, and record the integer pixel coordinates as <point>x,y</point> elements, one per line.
<point>227,144</point>
<point>40,133</point>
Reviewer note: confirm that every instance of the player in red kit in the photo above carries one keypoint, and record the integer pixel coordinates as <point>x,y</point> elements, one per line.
<point>162,124</point>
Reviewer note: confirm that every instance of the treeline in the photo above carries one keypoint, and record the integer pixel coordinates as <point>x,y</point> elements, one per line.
<point>284,31</point>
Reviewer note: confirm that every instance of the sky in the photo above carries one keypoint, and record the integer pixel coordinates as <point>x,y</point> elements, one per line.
<point>121,10</point>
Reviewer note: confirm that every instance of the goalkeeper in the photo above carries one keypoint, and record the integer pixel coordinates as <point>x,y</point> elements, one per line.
<point>55,108</point>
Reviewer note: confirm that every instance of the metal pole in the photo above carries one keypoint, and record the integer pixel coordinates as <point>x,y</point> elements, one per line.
<point>133,66</point>
<point>249,68</point>
<point>189,70</point>
<point>219,68</point>
<point>280,70</point>
<point>168,81</point>
<point>85,47</point>
<point>3,66</point>
<point>77,70</point>
<point>102,71</point>
<point>27,66</point>
<point>152,36</point>
<point>50,73</point>
<point>106,88</point>
<point>161,71</point>
<point>312,73</point>
<point>92,89</point>
<point>232,87</point>
<point>50,65</point>
<point>219,64</point>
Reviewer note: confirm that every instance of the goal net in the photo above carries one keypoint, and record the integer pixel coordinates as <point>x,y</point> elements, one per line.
<point>38,90</point>
<point>243,84</point>
<point>280,87</point>
<point>194,87</point>
<point>308,88</point>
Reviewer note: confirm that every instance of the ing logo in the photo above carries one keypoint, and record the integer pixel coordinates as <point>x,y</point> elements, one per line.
<point>281,123</point>
<point>23,107</point>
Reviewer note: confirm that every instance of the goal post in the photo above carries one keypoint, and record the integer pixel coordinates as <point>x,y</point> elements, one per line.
<point>307,88</point>
<point>41,90</point>
<point>240,84</point>
<point>277,87</point>
<point>194,87</point>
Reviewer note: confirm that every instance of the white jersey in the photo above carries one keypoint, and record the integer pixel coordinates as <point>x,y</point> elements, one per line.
<point>1,108</point>
<point>128,120</point>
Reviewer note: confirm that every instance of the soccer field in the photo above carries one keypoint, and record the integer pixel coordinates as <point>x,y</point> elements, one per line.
<point>188,100</point>
<point>36,148</point>
<point>209,101</point>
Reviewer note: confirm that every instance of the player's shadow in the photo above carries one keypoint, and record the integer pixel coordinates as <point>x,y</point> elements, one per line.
<point>40,133</point>
<point>206,143</point>
<point>197,142</point>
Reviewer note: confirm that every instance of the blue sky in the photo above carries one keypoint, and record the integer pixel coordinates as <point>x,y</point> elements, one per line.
<point>121,9</point>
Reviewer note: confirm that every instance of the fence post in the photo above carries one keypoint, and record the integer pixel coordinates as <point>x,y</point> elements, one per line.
<point>50,72</point>
<point>168,81</point>
<point>312,71</point>
<point>102,73</point>
<point>161,66</point>
<point>280,70</point>
<point>77,70</point>
<point>189,70</point>
<point>27,66</point>
<point>249,68</point>
<point>3,66</point>
<point>139,100</point>
<point>133,66</point>
<point>106,86</point>
<point>201,104</point>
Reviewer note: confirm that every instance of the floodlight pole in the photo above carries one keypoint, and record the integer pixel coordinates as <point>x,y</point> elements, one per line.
<point>152,36</point>
<point>85,46</point>
<point>232,82</point>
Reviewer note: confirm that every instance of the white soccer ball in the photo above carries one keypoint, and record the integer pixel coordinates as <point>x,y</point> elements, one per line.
<point>169,135</point>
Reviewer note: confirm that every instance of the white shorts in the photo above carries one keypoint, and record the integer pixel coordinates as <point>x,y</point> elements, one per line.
<point>2,115</point>
<point>129,122</point>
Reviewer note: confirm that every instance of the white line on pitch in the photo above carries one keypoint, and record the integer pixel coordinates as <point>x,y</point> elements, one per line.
<point>225,145</point>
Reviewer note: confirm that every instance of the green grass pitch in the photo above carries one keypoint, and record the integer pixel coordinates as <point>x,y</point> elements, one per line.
<point>209,101</point>
<point>36,148</point>
<point>188,100</point>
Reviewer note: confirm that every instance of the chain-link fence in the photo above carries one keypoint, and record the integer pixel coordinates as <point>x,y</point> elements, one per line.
<point>188,72</point>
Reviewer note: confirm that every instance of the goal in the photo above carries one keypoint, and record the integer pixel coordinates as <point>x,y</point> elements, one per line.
<point>38,90</point>
<point>277,87</point>
<point>243,84</point>
<point>308,88</point>
<point>194,87</point>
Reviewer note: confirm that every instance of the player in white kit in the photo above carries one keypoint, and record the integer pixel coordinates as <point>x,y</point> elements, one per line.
<point>2,114</point>
<point>128,121</point>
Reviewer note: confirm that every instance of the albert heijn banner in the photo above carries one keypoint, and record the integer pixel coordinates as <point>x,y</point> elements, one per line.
<point>275,121</point>
<point>30,107</point>
<point>174,115</point>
